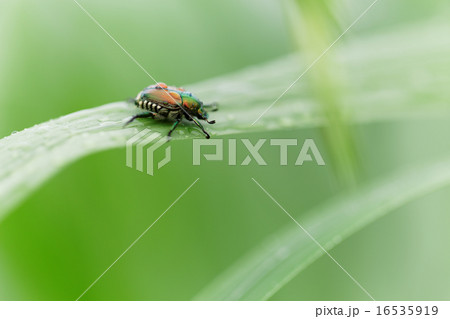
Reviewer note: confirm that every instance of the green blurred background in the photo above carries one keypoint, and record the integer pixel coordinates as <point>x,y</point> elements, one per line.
<point>54,60</point>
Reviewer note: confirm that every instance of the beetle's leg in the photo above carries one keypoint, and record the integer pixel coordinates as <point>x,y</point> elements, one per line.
<point>140,116</point>
<point>206,119</point>
<point>212,106</point>
<point>201,127</point>
<point>174,126</point>
<point>191,118</point>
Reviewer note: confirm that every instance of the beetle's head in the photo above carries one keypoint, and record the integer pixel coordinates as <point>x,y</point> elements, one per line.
<point>203,115</point>
<point>201,112</point>
<point>195,107</point>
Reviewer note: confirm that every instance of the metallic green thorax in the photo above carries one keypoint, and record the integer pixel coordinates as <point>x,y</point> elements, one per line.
<point>193,104</point>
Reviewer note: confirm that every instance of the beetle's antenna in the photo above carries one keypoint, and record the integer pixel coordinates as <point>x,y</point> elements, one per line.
<point>210,122</point>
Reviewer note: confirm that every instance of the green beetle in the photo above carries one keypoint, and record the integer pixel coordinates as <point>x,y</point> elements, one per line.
<point>163,102</point>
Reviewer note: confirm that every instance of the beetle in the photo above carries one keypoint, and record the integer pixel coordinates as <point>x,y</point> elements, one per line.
<point>163,102</point>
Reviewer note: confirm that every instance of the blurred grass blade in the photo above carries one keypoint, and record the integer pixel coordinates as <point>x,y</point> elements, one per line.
<point>314,34</point>
<point>267,268</point>
<point>29,157</point>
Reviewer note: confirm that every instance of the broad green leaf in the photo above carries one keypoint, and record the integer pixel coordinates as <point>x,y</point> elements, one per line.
<point>267,268</point>
<point>383,91</point>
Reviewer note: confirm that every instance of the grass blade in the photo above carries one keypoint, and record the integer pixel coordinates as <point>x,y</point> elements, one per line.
<point>268,267</point>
